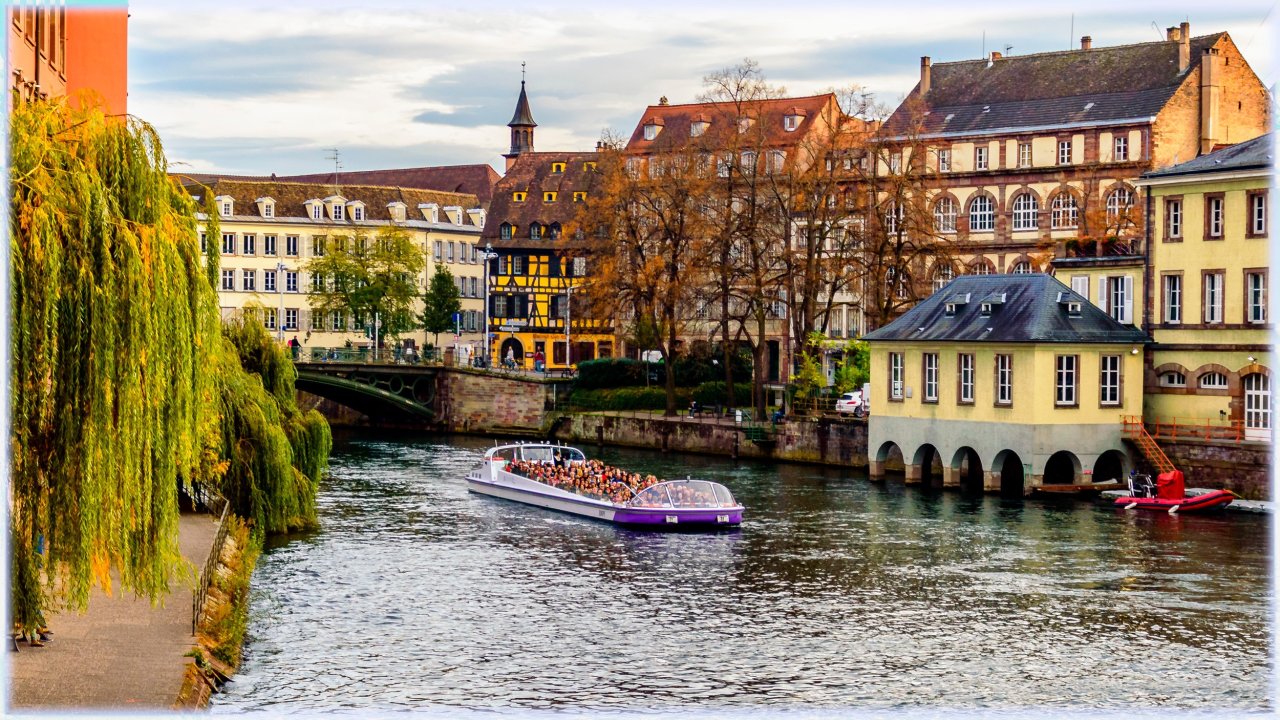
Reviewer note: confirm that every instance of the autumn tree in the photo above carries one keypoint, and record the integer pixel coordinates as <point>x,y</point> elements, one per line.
<point>370,277</point>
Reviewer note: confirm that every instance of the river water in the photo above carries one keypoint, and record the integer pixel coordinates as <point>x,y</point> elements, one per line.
<point>836,593</point>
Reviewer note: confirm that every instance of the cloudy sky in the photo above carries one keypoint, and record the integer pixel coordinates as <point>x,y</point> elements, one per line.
<point>262,87</point>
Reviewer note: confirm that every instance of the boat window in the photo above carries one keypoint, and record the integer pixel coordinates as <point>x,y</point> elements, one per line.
<point>692,493</point>
<point>655,496</point>
<point>538,453</point>
<point>574,454</point>
<point>723,496</point>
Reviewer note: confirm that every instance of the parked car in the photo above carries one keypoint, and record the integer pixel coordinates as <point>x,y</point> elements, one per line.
<point>851,403</point>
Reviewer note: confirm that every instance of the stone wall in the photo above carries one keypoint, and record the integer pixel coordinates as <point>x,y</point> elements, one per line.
<point>1243,468</point>
<point>477,402</point>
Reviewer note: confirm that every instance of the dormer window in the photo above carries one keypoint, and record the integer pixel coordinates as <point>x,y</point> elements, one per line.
<point>338,213</point>
<point>744,124</point>
<point>589,166</point>
<point>549,196</point>
<point>791,121</point>
<point>454,213</point>
<point>519,196</point>
<point>396,210</point>
<point>315,209</point>
<point>535,231</point>
<point>579,196</point>
<point>698,127</point>
<point>355,210</point>
<point>985,309</point>
<point>652,128</point>
<point>553,231</point>
<point>1074,309</point>
<point>226,205</point>
<point>950,309</point>
<point>430,212</point>
<point>477,216</point>
<point>504,231</point>
<point>557,167</point>
<point>1072,303</point>
<point>266,207</point>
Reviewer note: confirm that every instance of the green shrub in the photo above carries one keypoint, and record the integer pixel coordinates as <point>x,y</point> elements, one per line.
<point>627,398</point>
<point>712,393</point>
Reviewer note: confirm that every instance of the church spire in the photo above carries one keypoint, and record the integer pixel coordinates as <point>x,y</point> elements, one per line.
<point>521,125</point>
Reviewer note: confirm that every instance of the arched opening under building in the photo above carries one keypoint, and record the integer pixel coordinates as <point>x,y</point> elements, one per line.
<point>968,467</point>
<point>1110,465</point>
<point>890,458</point>
<point>930,464</point>
<point>511,348</point>
<point>1063,468</point>
<point>1012,474</point>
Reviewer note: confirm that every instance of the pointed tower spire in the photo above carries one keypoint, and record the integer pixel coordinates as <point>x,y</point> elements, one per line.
<point>521,125</point>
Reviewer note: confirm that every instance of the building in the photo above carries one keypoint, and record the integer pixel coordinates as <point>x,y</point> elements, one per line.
<point>1035,156</point>
<point>271,229</point>
<point>534,268</point>
<point>1207,293</point>
<point>56,51</point>
<point>1002,383</point>
<point>477,180</point>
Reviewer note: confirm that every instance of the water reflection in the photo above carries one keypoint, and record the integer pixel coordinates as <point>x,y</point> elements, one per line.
<point>835,592</point>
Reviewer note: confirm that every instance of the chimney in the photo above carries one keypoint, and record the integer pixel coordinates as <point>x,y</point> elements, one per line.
<point>1184,47</point>
<point>926,66</point>
<point>1086,43</point>
<point>1210,98</point>
<point>995,55</point>
<point>662,100</point>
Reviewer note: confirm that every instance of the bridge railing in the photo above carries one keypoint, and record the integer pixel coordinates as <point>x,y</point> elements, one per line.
<point>430,357</point>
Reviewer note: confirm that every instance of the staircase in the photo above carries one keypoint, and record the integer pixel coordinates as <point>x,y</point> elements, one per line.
<point>1136,433</point>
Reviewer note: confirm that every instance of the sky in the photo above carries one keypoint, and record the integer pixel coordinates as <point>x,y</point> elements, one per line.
<point>273,87</point>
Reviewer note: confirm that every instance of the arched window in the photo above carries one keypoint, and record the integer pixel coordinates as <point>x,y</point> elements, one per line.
<point>944,215</point>
<point>1025,212</point>
<point>535,231</point>
<point>980,266</point>
<point>982,214</point>
<point>1213,381</point>
<point>1022,267</point>
<point>1173,378</point>
<point>505,231</point>
<point>1119,201</point>
<point>893,218</point>
<point>942,274</point>
<point>1065,213</point>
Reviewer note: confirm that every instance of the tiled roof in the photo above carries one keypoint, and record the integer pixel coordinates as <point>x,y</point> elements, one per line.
<point>1250,155</point>
<point>291,196</point>
<point>532,174</point>
<point>1056,88</point>
<point>475,180</point>
<point>1030,313</point>
<point>676,119</point>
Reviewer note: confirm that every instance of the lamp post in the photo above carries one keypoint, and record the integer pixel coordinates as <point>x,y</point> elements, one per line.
<point>280,291</point>
<point>489,255</point>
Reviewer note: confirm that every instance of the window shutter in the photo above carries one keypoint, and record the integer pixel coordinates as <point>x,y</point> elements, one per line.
<point>1080,284</point>
<point>1126,315</point>
<point>1102,293</point>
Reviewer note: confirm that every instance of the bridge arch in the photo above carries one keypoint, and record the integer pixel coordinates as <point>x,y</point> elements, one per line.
<point>1009,468</point>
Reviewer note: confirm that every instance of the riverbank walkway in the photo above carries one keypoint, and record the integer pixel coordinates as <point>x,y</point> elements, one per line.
<point>122,654</point>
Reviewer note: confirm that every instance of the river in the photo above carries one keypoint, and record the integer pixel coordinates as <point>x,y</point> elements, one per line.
<point>836,593</point>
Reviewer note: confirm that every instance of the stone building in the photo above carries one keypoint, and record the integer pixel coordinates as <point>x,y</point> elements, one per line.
<point>56,50</point>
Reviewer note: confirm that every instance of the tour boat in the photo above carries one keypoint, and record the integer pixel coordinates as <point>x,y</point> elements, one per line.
<point>1168,494</point>
<point>669,505</point>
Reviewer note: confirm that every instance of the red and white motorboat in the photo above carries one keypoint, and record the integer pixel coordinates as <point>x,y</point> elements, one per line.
<point>1169,494</point>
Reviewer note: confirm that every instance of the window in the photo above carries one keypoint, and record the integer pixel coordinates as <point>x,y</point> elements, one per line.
<point>337,212</point>
<point>249,280</point>
<point>651,131</point>
<point>228,243</point>
<point>1025,212</point>
<point>942,275</point>
<point>1257,204</point>
<point>317,282</point>
<point>1256,301</point>
<point>448,254</point>
<point>980,267</point>
<point>944,161</point>
<point>1121,148</point>
<point>291,281</point>
<point>228,279</point>
<point>744,124</point>
<point>791,122</point>
<point>557,167</point>
<point>268,210</point>
<point>775,161</point>
<point>269,318</point>
<point>317,246</point>
<point>519,196</point>
<point>1213,216</point>
<point>535,231</point>
<point>895,376</point>
<point>549,196</point>
<point>1024,154</point>
<point>1109,382</point>
<point>982,215</point>
<point>517,265</point>
<point>1022,267</point>
<point>944,215</point>
<point>1067,367</point>
<point>895,163</point>
<point>930,377</point>
<point>1172,299</point>
<point>1212,297</point>
<point>291,318</point>
<point>893,218</point>
<point>1119,201</point>
<point>1064,213</point>
<point>1004,379</point>
<point>315,211</point>
<point>579,196</point>
<point>1080,285</point>
<point>499,305</point>
<point>965,361</point>
<point>505,231</point>
<point>980,158</point>
<point>1173,219</point>
<point>1064,152</point>
<point>437,250</point>
<point>1173,378</point>
<point>226,208</point>
<point>338,321</point>
<point>1115,296</point>
<point>698,127</point>
<point>588,166</point>
<point>204,243</point>
<point>357,213</point>
<point>1213,381</point>
<point>249,243</point>
<point>291,245</point>
<point>269,280</point>
<point>268,244</point>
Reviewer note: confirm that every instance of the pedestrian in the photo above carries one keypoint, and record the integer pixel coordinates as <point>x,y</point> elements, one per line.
<point>538,360</point>
<point>510,360</point>
<point>294,346</point>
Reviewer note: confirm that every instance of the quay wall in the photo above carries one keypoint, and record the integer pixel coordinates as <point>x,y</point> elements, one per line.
<point>1243,468</point>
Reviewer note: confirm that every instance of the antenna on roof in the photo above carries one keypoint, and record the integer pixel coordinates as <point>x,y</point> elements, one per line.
<point>1071,36</point>
<point>1007,48</point>
<point>337,165</point>
<point>984,43</point>
<point>1156,27</point>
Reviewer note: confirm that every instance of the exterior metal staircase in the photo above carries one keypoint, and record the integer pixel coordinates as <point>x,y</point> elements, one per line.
<point>1136,432</point>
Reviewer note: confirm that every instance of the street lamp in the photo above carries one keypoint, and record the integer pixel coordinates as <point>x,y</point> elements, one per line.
<point>489,255</point>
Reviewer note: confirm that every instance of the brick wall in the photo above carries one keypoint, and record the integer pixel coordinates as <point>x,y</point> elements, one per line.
<point>482,402</point>
<point>1243,468</point>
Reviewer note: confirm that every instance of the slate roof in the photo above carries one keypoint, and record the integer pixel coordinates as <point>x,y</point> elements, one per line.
<point>1103,84</point>
<point>475,180</point>
<point>290,196</point>
<point>532,174</point>
<point>523,117</point>
<point>1254,154</point>
<point>1030,313</point>
<point>676,119</point>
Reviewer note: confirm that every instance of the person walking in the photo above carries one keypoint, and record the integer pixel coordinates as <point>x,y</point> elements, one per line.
<point>539,361</point>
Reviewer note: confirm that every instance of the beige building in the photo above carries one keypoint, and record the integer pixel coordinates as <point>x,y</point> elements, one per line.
<point>271,229</point>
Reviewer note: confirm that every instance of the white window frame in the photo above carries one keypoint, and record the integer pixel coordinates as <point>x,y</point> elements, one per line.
<point>944,161</point>
<point>791,122</point>
<point>1064,213</point>
<point>1114,204</point>
<point>229,279</point>
<point>930,364</point>
<point>1256,287</point>
<point>1173,219</point>
<point>1066,380</point>
<point>980,157</point>
<point>1212,297</point>
<point>1004,379</point>
<point>1171,291</point>
<point>1120,149</point>
<point>291,281</point>
<point>1213,381</point>
<point>291,318</point>
<point>1026,212</point>
<point>268,210</point>
<point>1214,223</point>
<point>1258,214</point>
<point>291,245</point>
<point>228,243</point>
<point>357,213</point>
<point>316,212</point>
<point>965,362</point>
<point>895,375</point>
<point>1024,153</point>
<point>1064,152</point>
<point>944,216</point>
<point>986,217</point>
<point>1110,369</point>
<point>1080,285</point>
<point>269,245</point>
<point>249,280</point>
<point>249,244</point>
<point>269,318</point>
<point>1116,297</point>
<point>269,281</point>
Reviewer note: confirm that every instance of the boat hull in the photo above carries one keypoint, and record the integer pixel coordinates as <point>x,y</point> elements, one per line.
<point>1210,501</point>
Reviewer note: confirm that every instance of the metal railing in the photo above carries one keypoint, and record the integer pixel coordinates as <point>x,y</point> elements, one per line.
<point>1177,428</point>
<point>211,562</point>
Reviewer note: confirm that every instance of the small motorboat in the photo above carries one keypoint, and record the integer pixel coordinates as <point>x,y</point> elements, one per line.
<point>1168,494</point>
<point>561,478</point>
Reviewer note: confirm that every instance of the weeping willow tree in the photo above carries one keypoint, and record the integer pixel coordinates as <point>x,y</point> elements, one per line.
<point>121,373</point>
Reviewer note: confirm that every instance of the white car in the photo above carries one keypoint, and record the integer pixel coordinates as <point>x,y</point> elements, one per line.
<point>851,403</point>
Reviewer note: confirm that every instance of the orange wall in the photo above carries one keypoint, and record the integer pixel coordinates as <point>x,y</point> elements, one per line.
<point>98,54</point>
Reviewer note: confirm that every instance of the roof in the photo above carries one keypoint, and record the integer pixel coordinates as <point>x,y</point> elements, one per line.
<point>1255,154</point>
<point>523,117</point>
<point>723,116</point>
<point>1030,313</point>
<point>477,180</point>
<point>291,196</point>
<point>532,173</point>
<point>1095,86</point>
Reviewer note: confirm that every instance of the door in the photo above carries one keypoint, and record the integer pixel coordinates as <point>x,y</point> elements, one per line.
<point>1257,407</point>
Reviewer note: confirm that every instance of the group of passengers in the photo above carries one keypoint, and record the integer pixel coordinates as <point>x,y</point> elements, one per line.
<point>590,478</point>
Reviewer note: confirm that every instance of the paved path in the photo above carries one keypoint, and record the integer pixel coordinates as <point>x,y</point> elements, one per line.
<point>122,654</point>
